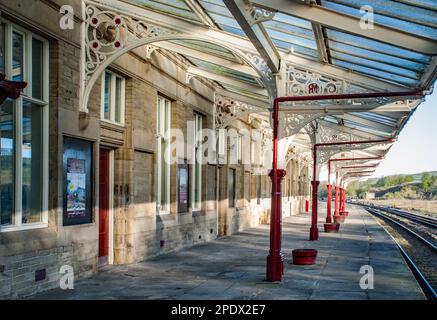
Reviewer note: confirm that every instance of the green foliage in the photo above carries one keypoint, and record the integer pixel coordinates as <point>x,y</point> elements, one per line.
<point>427,182</point>
<point>323,190</point>
<point>395,180</point>
<point>397,186</point>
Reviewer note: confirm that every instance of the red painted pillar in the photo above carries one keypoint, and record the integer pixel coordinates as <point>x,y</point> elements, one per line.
<point>275,259</point>
<point>341,200</point>
<point>329,198</point>
<point>314,231</point>
<point>328,205</point>
<point>345,195</point>
<point>336,211</point>
<point>344,200</point>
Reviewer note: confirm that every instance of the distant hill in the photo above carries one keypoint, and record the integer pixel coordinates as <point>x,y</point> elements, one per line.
<point>398,186</point>
<point>416,176</point>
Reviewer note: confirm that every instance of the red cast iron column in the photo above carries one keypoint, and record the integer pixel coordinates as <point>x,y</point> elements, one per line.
<point>329,198</point>
<point>314,231</point>
<point>336,211</point>
<point>275,259</point>
<point>340,200</point>
<point>344,199</point>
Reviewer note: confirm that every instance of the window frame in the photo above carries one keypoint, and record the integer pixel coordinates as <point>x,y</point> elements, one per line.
<point>239,148</point>
<point>112,94</point>
<point>196,180</point>
<point>161,109</point>
<point>9,29</point>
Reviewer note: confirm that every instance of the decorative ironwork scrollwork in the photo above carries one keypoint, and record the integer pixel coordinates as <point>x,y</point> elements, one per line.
<point>108,31</point>
<point>258,15</point>
<point>228,109</point>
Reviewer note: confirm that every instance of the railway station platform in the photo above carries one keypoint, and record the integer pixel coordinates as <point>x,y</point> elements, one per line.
<point>234,268</point>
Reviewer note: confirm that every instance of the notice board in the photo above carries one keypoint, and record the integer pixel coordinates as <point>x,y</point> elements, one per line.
<point>77,168</point>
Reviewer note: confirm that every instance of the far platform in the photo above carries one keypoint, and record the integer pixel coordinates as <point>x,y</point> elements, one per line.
<point>234,267</point>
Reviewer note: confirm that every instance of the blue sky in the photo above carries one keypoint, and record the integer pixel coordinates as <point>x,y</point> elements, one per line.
<point>416,148</point>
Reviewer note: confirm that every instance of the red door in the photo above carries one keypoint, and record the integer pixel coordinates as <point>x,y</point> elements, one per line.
<point>104,207</point>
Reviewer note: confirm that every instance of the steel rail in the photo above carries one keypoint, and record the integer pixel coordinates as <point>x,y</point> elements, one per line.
<point>427,221</point>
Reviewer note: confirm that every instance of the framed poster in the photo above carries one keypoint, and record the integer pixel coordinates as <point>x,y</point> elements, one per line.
<point>183,187</point>
<point>77,163</point>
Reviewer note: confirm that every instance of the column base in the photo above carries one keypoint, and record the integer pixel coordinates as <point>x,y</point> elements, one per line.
<point>314,233</point>
<point>275,268</point>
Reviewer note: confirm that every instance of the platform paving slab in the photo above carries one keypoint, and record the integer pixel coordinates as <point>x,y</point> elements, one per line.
<point>233,267</point>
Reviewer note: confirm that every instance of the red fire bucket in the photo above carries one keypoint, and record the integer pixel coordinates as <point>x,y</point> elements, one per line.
<point>304,256</point>
<point>331,227</point>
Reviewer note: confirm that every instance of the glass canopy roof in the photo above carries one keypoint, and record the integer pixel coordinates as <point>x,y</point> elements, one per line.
<point>353,52</point>
<point>178,8</point>
<point>324,40</point>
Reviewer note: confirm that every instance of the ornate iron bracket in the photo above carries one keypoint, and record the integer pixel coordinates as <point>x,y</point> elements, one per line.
<point>228,109</point>
<point>290,123</point>
<point>303,82</point>
<point>189,76</point>
<point>265,71</point>
<point>326,134</point>
<point>258,15</point>
<point>149,50</point>
<point>107,32</point>
<point>325,153</point>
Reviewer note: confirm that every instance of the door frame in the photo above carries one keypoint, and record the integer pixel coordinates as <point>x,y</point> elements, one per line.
<point>111,208</point>
<point>110,204</point>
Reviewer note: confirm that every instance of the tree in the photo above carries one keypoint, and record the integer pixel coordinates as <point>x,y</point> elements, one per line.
<point>427,182</point>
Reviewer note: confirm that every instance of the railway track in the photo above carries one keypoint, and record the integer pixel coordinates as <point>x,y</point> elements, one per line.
<point>419,252</point>
<point>426,221</point>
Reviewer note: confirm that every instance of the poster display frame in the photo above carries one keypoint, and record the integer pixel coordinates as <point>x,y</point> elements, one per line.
<point>77,181</point>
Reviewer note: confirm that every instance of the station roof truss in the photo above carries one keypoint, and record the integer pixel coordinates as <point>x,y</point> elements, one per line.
<point>256,50</point>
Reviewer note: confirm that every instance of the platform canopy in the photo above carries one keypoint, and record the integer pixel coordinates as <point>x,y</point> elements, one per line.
<point>254,51</point>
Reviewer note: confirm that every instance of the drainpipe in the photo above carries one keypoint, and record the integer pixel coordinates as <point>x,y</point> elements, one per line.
<point>275,260</point>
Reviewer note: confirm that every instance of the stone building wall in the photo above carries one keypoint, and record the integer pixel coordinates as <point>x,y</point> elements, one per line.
<point>138,232</point>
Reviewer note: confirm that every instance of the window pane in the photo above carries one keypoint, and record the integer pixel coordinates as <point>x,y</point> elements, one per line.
<point>32,149</point>
<point>164,169</point>
<point>167,116</point>
<point>163,121</point>
<point>198,182</point>
<point>37,69</point>
<point>17,57</point>
<point>107,97</point>
<point>7,147</point>
<point>118,95</point>
<point>2,48</point>
<point>231,188</point>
